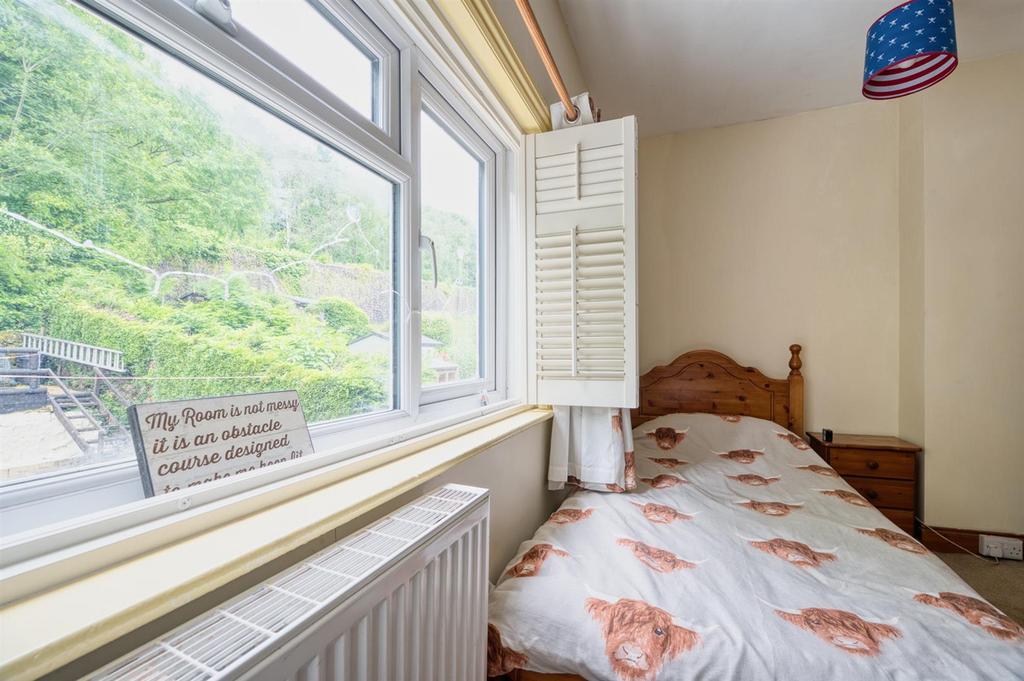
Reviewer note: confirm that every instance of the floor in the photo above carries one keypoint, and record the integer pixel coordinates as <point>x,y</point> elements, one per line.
<point>1002,585</point>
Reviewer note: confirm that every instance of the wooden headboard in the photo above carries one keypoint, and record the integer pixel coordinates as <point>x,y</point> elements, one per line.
<point>708,381</point>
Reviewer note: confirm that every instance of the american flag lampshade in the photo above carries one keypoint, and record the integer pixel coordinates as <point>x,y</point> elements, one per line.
<point>910,47</point>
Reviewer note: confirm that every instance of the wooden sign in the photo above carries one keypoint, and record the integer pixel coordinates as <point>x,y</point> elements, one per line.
<point>191,442</point>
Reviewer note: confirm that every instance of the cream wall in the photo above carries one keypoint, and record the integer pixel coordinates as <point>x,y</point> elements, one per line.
<point>888,239</point>
<point>759,235</point>
<point>516,473</point>
<point>911,270</point>
<point>973,279</point>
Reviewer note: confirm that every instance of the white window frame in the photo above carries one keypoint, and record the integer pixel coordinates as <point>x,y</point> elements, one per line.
<point>352,23</point>
<point>387,99</point>
<point>414,68</point>
<point>430,101</point>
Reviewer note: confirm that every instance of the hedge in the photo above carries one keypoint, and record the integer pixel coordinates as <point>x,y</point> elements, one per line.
<point>159,350</point>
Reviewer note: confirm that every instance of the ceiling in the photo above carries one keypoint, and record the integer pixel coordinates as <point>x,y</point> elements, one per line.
<point>681,64</point>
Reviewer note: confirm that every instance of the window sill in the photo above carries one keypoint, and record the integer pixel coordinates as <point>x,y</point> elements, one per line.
<point>40,560</point>
<point>99,608</point>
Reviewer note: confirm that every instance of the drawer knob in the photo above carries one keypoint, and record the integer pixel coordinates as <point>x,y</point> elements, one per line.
<point>873,465</point>
<point>871,494</point>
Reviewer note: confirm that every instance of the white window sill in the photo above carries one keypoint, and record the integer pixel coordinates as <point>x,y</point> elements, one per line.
<point>117,525</point>
<point>48,630</point>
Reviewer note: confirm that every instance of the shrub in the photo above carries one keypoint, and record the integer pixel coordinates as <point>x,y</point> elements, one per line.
<point>436,326</point>
<point>108,329</point>
<point>343,315</point>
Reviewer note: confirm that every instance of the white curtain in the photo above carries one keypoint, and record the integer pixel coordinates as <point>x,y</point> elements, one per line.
<point>592,447</point>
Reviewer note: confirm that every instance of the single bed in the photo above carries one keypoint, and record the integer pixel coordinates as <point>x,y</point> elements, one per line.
<point>741,556</point>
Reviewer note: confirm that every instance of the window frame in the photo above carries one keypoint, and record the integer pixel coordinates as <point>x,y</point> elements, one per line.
<point>413,70</point>
<point>346,17</point>
<point>428,100</point>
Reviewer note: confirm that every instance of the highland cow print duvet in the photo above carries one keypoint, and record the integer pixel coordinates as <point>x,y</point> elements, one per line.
<point>741,556</point>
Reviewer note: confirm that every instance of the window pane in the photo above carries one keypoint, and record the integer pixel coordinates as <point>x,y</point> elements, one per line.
<point>148,211</point>
<point>451,216</point>
<point>313,43</point>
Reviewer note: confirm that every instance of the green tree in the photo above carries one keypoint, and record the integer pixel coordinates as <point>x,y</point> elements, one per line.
<point>343,315</point>
<point>436,326</point>
<point>99,146</point>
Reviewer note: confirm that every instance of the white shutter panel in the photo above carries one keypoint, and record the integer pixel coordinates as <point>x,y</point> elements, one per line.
<point>581,233</point>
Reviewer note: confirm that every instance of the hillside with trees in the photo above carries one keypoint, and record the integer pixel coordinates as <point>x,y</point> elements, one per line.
<point>226,251</point>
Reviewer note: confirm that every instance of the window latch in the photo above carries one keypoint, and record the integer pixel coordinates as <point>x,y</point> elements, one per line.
<point>425,243</point>
<point>217,12</point>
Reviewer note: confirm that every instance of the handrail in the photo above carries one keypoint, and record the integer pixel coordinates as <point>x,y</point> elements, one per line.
<point>69,427</point>
<point>48,373</point>
<point>71,394</point>
<point>82,353</point>
<point>115,391</point>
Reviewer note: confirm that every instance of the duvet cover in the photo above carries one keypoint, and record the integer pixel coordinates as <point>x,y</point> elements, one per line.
<point>740,556</point>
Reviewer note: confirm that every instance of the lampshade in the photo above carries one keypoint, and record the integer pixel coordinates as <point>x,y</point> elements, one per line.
<point>910,47</point>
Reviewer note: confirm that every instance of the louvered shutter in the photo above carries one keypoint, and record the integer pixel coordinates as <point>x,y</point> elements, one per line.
<point>581,234</point>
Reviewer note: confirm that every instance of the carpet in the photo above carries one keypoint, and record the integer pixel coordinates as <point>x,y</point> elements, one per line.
<point>1001,585</point>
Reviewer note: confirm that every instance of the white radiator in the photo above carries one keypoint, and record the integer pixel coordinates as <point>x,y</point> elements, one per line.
<point>403,599</point>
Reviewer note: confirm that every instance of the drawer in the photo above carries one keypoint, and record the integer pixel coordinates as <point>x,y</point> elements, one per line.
<point>903,519</point>
<point>873,463</point>
<point>898,494</point>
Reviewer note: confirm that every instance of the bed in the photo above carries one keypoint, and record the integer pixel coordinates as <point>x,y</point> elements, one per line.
<point>741,555</point>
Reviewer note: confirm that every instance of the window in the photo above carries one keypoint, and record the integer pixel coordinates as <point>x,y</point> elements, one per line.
<point>212,220</point>
<point>305,34</point>
<point>217,249</point>
<point>451,215</point>
<point>457,168</point>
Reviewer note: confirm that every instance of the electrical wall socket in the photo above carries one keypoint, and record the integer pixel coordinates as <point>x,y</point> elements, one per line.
<point>1000,547</point>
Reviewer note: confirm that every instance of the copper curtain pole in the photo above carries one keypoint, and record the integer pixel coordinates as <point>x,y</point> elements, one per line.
<point>571,113</point>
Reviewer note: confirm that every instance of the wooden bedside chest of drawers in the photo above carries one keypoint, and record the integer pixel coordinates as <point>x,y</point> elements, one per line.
<point>882,469</point>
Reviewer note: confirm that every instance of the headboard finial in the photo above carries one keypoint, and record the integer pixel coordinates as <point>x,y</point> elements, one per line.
<point>794,361</point>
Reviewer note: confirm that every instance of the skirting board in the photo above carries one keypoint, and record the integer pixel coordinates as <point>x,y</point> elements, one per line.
<point>967,538</point>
